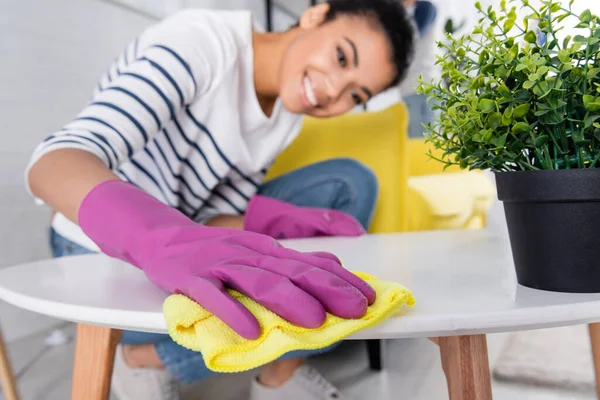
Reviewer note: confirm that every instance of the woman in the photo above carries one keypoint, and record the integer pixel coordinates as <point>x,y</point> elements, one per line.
<point>163,169</point>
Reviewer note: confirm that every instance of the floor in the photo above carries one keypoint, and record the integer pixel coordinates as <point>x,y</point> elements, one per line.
<point>412,371</point>
<point>54,41</point>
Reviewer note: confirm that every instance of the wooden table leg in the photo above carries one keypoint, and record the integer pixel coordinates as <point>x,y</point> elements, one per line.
<point>8,385</point>
<point>94,356</point>
<point>465,363</point>
<point>595,339</point>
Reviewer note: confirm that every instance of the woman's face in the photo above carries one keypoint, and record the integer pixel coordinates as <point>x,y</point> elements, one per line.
<point>332,67</point>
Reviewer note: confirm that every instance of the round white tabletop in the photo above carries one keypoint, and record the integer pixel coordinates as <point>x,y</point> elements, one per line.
<point>463,281</point>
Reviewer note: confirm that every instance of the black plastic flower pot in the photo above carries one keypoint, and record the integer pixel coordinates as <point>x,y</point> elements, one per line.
<point>553,220</point>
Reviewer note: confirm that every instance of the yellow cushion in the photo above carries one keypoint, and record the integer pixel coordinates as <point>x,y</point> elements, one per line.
<point>420,163</point>
<point>451,200</point>
<point>377,139</point>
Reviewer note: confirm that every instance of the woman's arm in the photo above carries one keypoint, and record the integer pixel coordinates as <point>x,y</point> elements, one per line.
<point>64,177</point>
<point>149,87</point>
<point>227,221</point>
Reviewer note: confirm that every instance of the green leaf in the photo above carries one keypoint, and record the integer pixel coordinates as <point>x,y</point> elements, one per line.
<point>541,140</point>
<point>588,98</point>
<point>563,56</point>
<point>514,51</point>
<point>566,41</point>
<point>580,39</point>
<point>494,120</point>
<point>555,8</point>
<point>499,141</point>
<point>508,25</point>
<point>487,106</point>
<point>575,47</point>
<point>523,95</point>
<point>497,160</point>
<point>488,135</point>
<point>528,85</point>
<point>521,111</point>
<point>521,127</point>
<point>539,113</point>
<point>589,121</point>
<point>586,16</point>
<point>483,57</point>
<point>542,89</point>
<point>477,138</point>
<point>593,72</point>
<point>542,70</point>
<point>520,67</point>
<point>578,71</point>
<point>488,69</point>
<point>504,91</point>
<point>582,25</point>
<point>478,6</point>
<point>530,37</point>
<point>517,145</point>
<point>592,107</point>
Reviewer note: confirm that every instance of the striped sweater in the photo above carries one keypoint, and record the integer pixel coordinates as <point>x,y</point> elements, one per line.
<point>177,115</point>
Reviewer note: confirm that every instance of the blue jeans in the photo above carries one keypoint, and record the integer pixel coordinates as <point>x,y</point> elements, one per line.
<point>340,184</point>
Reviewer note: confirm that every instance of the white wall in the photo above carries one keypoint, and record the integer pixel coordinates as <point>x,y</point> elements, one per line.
<point>162,8</point>
<point>51,54</point>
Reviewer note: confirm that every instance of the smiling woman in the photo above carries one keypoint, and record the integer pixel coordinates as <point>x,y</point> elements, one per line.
<point>164,169</point>
<point>345,53</point>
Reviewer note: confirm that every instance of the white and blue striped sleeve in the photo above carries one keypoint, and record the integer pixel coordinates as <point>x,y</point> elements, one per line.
<point>231,196</point>
<point>157,75</point>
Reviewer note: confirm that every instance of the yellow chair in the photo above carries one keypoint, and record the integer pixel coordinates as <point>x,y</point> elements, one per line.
<point>414,192</point>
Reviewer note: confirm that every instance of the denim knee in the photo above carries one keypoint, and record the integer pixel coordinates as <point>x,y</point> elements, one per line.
<point>360,184</point>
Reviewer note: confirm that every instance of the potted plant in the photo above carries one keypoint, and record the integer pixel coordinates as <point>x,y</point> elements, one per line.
<point>524,103</point>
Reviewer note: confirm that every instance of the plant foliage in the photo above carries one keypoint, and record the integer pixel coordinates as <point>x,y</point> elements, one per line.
<point>513,97</point>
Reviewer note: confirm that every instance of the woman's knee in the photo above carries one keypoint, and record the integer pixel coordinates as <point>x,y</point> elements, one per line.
<point>361,177</point>
<point>361,186</point>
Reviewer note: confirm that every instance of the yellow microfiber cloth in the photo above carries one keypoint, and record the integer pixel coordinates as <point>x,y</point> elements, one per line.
<point>223,350</point>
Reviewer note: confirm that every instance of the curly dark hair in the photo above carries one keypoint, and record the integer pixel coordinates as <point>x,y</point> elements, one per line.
<point>394,22</point>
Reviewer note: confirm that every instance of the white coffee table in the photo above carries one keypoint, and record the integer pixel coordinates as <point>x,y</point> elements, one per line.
<point>463,282</point>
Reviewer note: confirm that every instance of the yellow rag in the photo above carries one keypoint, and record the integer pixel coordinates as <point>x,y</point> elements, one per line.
<point>224,350</point>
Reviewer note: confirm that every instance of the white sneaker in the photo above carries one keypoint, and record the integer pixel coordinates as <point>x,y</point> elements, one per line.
<point>142,383</point>
<point>306,384</point>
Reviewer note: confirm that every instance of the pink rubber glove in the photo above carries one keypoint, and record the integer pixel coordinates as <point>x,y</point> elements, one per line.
<point>181,256</point>
<point>281,220</point>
